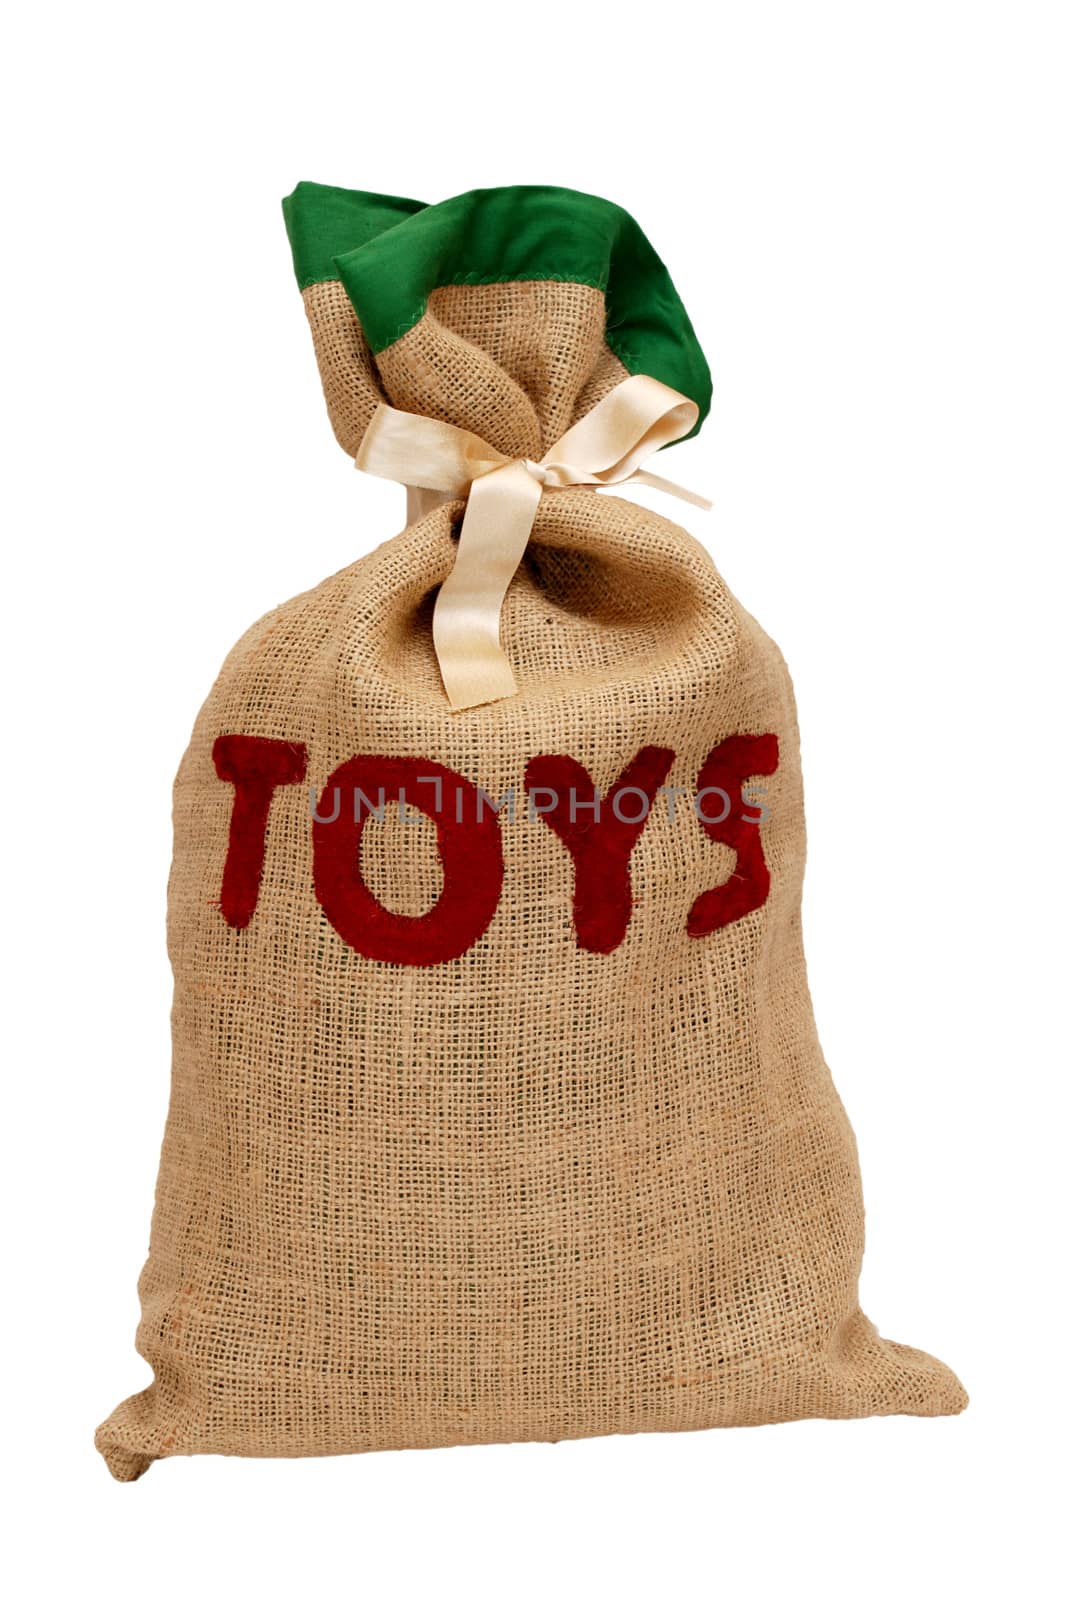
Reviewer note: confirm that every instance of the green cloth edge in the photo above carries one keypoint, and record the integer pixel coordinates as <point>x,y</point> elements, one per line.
<point>390,253</point>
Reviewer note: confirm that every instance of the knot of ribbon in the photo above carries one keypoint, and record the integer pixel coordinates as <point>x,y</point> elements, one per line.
<point>605,447</point>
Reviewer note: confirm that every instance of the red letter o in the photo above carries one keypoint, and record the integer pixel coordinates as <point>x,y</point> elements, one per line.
<point>470,850</point>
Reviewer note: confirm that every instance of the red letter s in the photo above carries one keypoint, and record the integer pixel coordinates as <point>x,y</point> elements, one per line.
<point>724,771</point>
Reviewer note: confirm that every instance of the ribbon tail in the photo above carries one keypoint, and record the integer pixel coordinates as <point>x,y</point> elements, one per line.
<point>498,520</point>
<point>667,486</point>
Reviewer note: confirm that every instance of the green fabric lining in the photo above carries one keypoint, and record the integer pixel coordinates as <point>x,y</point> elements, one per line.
<point>322,221</point>
<point>390,254</point>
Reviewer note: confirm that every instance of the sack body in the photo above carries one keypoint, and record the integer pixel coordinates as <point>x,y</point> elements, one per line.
<point>496,1119</point>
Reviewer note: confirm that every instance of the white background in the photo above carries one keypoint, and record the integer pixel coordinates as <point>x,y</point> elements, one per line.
<point>865,210</point>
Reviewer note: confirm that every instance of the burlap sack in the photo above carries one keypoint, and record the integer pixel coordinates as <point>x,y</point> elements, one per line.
<point>487,1135</point>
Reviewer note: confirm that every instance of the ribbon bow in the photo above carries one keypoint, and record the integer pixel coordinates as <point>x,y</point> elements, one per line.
<point>605,447</point>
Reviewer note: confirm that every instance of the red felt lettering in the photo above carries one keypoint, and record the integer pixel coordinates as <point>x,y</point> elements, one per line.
<point>256,767</point>
<point>470,850</point>
<point>599,833</point>
<point>720,809</point>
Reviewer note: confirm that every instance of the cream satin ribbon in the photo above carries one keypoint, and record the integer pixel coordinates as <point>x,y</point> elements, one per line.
<point>605,447</point>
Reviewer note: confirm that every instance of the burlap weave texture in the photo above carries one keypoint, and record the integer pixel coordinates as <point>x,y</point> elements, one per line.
<point>533,1192</point>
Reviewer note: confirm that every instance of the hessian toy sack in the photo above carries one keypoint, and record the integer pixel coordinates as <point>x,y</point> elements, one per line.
<point>497,1107</point>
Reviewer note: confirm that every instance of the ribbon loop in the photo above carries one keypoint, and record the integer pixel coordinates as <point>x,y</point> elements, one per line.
<point>605,447</point>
